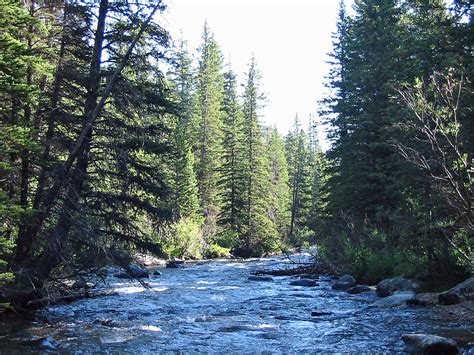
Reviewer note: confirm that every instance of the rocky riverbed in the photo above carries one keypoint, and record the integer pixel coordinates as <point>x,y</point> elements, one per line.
<point>220,306</point>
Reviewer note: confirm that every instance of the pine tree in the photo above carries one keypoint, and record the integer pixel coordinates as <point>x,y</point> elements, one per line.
<point>319,175</point>
<point>184,176</point>
<point>279,205</point>
<point>208,128</point>
<point>259,234</point>
<point>232,178</point>
<point>299,171</point>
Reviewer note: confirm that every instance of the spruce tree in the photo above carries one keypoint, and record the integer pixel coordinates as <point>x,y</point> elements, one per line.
<point>259,233</point>
<point>279,204</point>
<point>299,171</point>
<point>208,128</point>
<point>232,171</point>
<point>184,176</point>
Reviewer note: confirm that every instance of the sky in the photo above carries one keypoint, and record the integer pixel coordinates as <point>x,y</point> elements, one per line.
<point>290,40</point>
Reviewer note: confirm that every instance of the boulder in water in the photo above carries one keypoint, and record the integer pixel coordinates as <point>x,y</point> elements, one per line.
<point>46,343</point>
<point>424,299</point>
<point>304,282</point>
<point>429,344</point>
<point>157,273</point>
<point>459,293</point>
<point>359,289</point>
<point>134,271</point>
<point>175,264</point>
<point>344,283</point>
<point>397,299</point>
<point>260,278</point>
<point>388,286</point>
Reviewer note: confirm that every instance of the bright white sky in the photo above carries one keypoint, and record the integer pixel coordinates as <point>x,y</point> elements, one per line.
<point>290,40</point>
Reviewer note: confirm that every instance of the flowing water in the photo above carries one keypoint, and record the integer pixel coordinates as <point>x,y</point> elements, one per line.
<point>213,307</point>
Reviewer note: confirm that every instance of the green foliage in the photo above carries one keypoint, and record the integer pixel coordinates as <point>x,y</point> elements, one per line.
<point>217,251</point>
<point>369,263</point>
<point>183,239</point>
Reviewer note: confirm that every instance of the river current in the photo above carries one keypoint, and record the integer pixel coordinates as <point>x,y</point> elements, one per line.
<point>213,307</point>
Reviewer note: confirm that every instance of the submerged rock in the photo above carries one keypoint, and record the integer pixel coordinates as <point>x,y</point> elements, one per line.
<point>424,299</point>
<point>304,282</point>
<point>260,278</point>
<point>459,293</point>
<point>359,289</point>
<point>319,314</point>
<point>388,286</point>
<point>82,284</point>
<point>134,271</point>
<point>429,344</point>
<point>46,343</point>
<point>175,264</point>
<point>157,273</point>
<point>399,298</point>
<point>344,283</point>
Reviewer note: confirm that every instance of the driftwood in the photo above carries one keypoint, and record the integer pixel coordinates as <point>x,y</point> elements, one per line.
<point>314,269</point>
<point>66,298</point>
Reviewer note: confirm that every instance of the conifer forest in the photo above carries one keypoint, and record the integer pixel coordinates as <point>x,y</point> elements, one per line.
<point>118,140</point>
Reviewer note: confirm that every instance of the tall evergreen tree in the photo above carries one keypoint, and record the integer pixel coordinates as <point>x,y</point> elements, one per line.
<point>259,234</point>
<point>208,128</point>
<point>232,179</point>
<point>184,176</point>
<point>299,171</point>
<point>279,205</point>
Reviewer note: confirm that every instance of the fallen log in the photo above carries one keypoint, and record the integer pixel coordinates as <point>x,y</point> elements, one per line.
<point>314,269</point>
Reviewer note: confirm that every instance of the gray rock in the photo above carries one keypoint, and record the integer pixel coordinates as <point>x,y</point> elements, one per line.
<point>46,343</point>
<point>175,264</point>
<point>344,283</point>
<point>359,289</point>
<point>424,299</point>
<point>429,344</point>
<point>260,278</point>
<point>319,314</point>
<point>134,271</point>
<point>459,293</point>
<point>388,286</point>
<point>399,298</point>
<point>304,282</point>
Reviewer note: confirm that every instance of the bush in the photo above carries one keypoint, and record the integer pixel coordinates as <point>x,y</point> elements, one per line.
<point>370,262</point>
<point>183,239</point>
<point>217,251</point>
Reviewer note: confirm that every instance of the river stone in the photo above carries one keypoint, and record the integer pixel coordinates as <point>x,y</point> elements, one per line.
<point>319,314</point>
<point>359,289</point>
<point>388,286</point>
<point>82,284</point>
<point>304,282</point>
<point>175,264</point>
<point>134,271</point>
<point>424,299</point>
<point>260,278</point>
<point>45,343</point>
<point>399,298</point>
<point>459,293</point>
<point>429,344</point>
<point>344,283</point>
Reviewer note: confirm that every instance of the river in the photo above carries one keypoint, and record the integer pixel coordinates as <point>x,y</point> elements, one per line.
<point>213,307</point>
